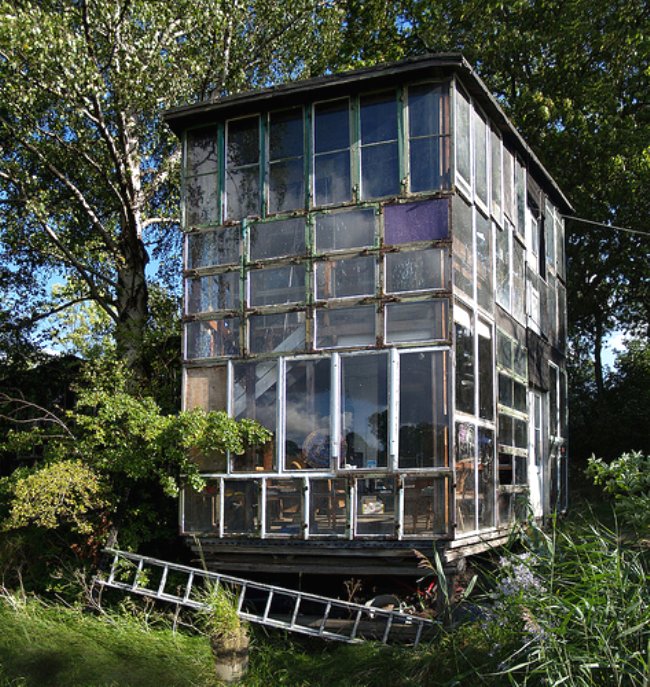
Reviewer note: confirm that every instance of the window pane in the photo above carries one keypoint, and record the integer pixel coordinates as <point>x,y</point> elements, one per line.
<point>419,321</point>
<point>284,507</point>
<point>463,156</point>
<point>201,151</point>
<point>378,118</point>
<point>486,375</point>
<point>519,396</point>
<point>464,368</point>
<point>286,138</point>
<point>209,339</point>
<point>463,249</point>
<point>328,507</point>
<point>521,433</point>
<point>553,401</point>
<point>504,350</point>
<point>506,397</point>
<point>277,333</point>
<point>480,158</point>
<point>332,178</point>
<point>503,268</point>
<point>505,431</point>
<point>343,230</point>
<point>427,115</point>
<point>345,327</point>
<point>375,506</point>
<point>485,477</point>
<point>307,435</point>
<point>214,292</point>
<point>201,510</point>
<point>484,291</point>
<point>416,270</point>
<point>520,181</point>
<point>423,221</point>
<point>508,184</point>
<point>240,508</point>
<point>201,200</point>
<point>211,248</point>
<point>429,158</point>
<point>496,175</point>
<point>286,185</point>
<point>465,489</point>
<point>520,359</point>
<point>243,142</point>
<point>331,126</point>
<point>255,398</point>
<point>277,239</point>
<point>518,281</point>
<point>343,278</point>
<point>206,388</point>
<point>277,285</point>
<point>379,170</point>
<point>549,233</point>
<point>423,413</point>
<point>364,400</point>
<point>425,503</point>
<point>242,192</point>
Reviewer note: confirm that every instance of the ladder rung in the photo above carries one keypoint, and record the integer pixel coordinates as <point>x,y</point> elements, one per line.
<point>328,608</point>
<point>163,581</point>
<point>268,605</point>
<point>294,615</point>
<point>188,587</point>
<point>389,622</point>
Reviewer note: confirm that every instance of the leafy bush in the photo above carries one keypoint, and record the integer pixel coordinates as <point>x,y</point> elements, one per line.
<point>627,479</point>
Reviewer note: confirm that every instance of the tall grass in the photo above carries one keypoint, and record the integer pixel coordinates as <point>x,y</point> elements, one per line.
<point>577,604</point>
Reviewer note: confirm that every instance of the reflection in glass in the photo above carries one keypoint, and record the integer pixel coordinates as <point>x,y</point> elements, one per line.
<point>464,368</point>
<point>277,333</point>
<point>240,506</point>
<point>504,350</point>
<point>255,398</point>
<point>286,161</point>
<point>212,338</point>
<point>211,248</point>
<point>331,153</point>
<point>284,507</point>
<point>485,477</point>
<point>425,504</point>
<point>480,158</point>
<point>344,230</point>
<point>341,327</point>
<point>277,239</point>
<point>503,268</point>
<point>465,489</point>
<point>416,321</point>
<point>508,184</point>
<point>484,290</point>
<point>364,400</point>
<point>463,155</point>
<point>416,270</point>
<point>423,413</point>
<point>379,163</point>
<point>422,221</point>
<point>375,506</point>
<point>213,292</point>
<point>201,200</point>
<point>496,176</point>
<point>463,247</point>
<point>344,278</point>
<point>201,151</point>
<point>485,373</point>
<point>328,507</point>
<point>518,281</point>
<point>242,168</point>
<point>277,285</point>
<point>307,434</point>
<point>428,137</point>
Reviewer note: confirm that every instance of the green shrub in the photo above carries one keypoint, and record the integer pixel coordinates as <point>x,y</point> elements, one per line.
<point>627,479</point>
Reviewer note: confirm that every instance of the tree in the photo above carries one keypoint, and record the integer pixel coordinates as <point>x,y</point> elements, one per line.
<point>88,171</point>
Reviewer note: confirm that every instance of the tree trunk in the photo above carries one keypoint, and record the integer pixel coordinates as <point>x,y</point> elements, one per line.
<point>132,303</point>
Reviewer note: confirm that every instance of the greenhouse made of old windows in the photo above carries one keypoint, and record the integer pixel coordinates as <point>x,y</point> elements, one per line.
<point>374,270</point>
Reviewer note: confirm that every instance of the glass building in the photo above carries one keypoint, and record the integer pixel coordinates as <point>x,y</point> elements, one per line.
<point>374,270</point>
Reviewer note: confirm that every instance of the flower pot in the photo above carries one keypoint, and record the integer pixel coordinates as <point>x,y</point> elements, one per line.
<point>230,656</point>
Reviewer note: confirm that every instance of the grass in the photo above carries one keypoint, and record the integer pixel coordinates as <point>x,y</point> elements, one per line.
<point>571,607</point>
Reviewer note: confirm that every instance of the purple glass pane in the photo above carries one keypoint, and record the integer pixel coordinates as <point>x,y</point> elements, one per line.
<point>426,221</point>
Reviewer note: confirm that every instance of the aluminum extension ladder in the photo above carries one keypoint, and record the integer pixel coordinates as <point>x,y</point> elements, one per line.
<point>269,605</point>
